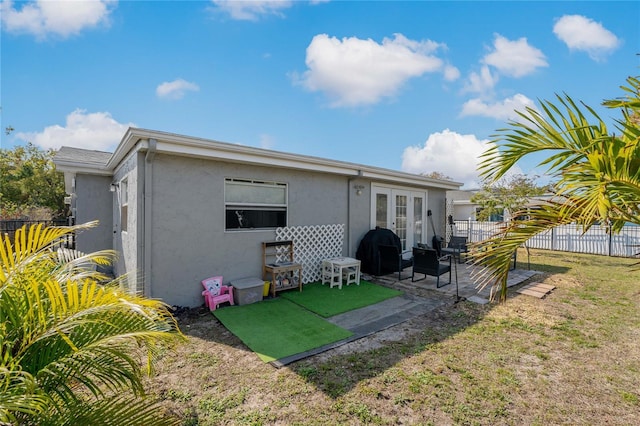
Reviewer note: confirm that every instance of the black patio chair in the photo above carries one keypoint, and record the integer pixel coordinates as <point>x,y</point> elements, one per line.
<point>427,262</point>
<point>456,247</point>
<point>390,260</point>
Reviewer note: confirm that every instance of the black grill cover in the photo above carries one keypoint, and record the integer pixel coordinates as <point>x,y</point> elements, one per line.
<point>367,252</point>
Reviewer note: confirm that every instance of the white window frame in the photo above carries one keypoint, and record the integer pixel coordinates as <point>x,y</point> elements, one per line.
<point>124,204</point>
<point>254,205</point>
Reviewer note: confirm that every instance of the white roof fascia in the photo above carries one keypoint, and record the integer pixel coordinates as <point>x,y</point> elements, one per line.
<point>136,139</point>
<point>140,146</point>
<point>80,167</point>
<point>248,157</point>
<point>206,148</point>
<point>127,143</point>
<point>406,178</point>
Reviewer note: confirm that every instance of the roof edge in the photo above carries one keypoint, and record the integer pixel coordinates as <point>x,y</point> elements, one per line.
<point>207,148</point>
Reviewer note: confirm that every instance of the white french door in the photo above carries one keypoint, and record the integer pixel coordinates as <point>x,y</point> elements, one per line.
<point>401,224</point>
<point>400,210</point>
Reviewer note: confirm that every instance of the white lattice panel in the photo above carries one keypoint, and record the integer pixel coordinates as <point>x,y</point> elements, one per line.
<point>449,211</point>
<point>312,244</point>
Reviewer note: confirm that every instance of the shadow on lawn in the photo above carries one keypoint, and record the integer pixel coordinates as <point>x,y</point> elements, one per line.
<point>336,374</point>
<point>339,374</point>
<point>549,268</point>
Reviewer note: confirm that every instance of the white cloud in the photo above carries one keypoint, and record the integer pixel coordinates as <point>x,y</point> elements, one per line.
<point>503,110</point>
<point>515,58</point>
<point>175,89</point>
<point>266,141</point>
<point>61,18</point>
<point>97,131</point>
<point>482,82</point>
<point>451,73</point>
<point>447,152</point>
<point>252,10</point>
<point>581,33</point>
<point>356,72</point>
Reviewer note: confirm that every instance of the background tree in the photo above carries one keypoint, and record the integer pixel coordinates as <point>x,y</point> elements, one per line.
<point>509,193</point>
<point>595,173</point>
<point>28,180</point>
<point>437,175</point>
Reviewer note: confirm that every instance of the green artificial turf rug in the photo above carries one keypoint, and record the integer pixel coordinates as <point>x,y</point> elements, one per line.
<point>278,328</point>
<point>327,302</point>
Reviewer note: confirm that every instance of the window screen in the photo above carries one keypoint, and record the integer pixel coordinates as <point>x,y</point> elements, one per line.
<point>252,204</point>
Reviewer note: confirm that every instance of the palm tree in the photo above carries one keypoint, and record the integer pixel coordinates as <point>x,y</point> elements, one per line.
<point>595,174</point>
<point>72,344</point>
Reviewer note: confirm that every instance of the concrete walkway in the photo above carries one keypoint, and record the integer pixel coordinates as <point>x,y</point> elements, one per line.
<point>468,282</point>
<point>380,316</point>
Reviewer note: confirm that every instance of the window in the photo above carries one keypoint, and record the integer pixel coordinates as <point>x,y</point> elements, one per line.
<point>253,204</point>
<point>124,203</point>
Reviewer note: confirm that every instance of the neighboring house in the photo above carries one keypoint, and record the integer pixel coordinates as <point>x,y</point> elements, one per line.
<point>460,206</point>
<point>179,209</point>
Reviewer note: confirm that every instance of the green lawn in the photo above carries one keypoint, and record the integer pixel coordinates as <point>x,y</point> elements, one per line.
<point>571,358</point>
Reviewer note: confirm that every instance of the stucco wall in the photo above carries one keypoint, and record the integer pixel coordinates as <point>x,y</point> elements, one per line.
<point>437,204</point>
<point>464,211</point>
<point>125,242</point>
<point>93,201</point>
<point>189,242</point>
<point>360,213</point>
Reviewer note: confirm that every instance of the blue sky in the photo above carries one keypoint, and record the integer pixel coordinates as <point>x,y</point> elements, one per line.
<point>413,86</point>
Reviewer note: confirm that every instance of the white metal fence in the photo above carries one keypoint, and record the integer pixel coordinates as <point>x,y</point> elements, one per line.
<point>569,238</point>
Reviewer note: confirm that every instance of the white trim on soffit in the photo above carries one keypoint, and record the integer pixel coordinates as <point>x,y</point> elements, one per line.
<point>136,139</point>
<point>82,168</point>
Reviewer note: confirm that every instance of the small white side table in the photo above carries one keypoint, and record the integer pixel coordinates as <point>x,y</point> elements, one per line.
<point>336,269</point>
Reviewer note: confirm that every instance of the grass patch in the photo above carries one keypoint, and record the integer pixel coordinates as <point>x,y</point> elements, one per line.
<point>278,328</point>
<point>327,302</point>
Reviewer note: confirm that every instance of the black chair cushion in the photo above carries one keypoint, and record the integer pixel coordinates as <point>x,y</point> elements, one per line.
<point>425,261</point>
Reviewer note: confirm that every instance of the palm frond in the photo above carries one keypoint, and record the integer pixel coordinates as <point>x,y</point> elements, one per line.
<point>115,410</point>
<point>84,318</point>
<point>596,175</point>
<point>32,244</point>
<point>567,134</point>
<point>494,254</point>
<point>74,335</point>
<point>75,265</point>
<point>19,395</point>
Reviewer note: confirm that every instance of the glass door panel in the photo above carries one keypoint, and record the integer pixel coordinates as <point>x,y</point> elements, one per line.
<point>400,224</point>
<point>418,219</point>
<point>382,210</point>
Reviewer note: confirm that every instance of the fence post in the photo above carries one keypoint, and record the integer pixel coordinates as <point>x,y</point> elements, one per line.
<point>610,239</point>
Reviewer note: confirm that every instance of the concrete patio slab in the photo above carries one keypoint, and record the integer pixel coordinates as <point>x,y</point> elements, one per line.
<point>373,318</point>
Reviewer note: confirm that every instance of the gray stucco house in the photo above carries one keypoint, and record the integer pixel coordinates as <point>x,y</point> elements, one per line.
<point>179,209</point>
